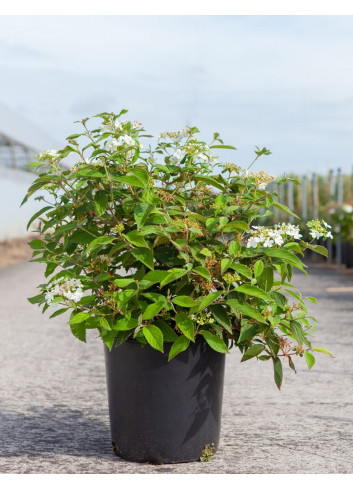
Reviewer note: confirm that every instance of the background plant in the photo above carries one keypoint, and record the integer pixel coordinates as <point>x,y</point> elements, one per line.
<point>156,245</point>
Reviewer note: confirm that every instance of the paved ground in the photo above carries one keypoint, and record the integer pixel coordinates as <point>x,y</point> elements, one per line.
<point>53,408</point>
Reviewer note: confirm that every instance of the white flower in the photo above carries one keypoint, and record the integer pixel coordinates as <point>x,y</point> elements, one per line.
<point>327,225</point>
<point>329,234</point>
<point>347,208</point>
<point>268,243</point>
<point>252,242</point>
<point>315,234</point>
<point>177,156</point>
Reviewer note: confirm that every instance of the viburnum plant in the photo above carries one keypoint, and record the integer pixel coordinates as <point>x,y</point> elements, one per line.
<point>156,245</point>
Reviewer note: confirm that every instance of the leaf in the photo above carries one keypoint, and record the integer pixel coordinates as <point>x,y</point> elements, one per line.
<point>247,331</point>
<point>258,268</point>
<point>280,299</point>
<point>124,296</point>
<point>135,238</point>
<point>321,350</point>
<point>242,269</point>
<point>221,316</point>
<point>103,323</point>
<point>286,256</point>
<point>125,324</point>
<point>253,291</point>
<point>318,249</point>
<point>144,255</point>
<point>153,309</point>
<point>168,333</point>
<point>123,282</point>
<point>225,263</point>
<point>184,301</point>
<point>130,180</point>
<point>206,301</point>
<point>141,173</point>
<point>298,332</point>
<point>98,243</point>
<point>37,214</point>
<point>37,244</point>
<point>58,312</point>
<point>236,226</point>
<point>265,281</point>
<point>252,352</point>
<point>100,202</point>
<point>79,317</point>
<point>152,277</point>
<point>310,359</point>
<point>203,272</point>
<point>173,274</point>
<point>215,342</point>
<point>79,331</point>
<point>246,309</point>
<point>210,181</point>
<point>222,146</point>
<point>278,371</point>
<point>185,325</point>
<point>284,208</point>
<point>179,345</point>
<point>154,336</point>
<point>141,213</point>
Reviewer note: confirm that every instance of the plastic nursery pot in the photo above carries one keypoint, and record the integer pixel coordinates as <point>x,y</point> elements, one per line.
<point>164,412</point>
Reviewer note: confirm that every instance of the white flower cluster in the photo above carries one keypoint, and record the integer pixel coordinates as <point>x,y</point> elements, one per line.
<point>319,229</point>
<point>175,136</point>
<point>47,155</point>
<point>262,178</point>
<point>195,149</point>
<point>269,237</point>
<point>117,126</point>
<point>347,208</point>
<point>68,288</point>
<point>125,140</point>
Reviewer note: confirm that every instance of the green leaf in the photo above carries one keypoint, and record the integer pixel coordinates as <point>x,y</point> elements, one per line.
<point>265,281</point>
<point>209,181</point>
<point>284,208</point>
<point>79,331</point>
<point>225,264</point>
<point>141,213</point>
<point>278,371</point>
<point>246,309</point>
<point>125,324</point>
<point>184,301</point>
<point>185,325</point>
<point>98,243</point>
<point>123,282</point>
<point>173,274</point>
<point>100,202</point>
<point>153,277</point>
<point>242,269</point>
<point>169,334</point>
<point>286,256</point>
<point>58,312</point>
<point>79,317</point>
<point>236,226</point>
<point>136,239</point>
<point>221,316</point>
<point>144,255</point>
<point>310,359</point>
<point>37,244</point>
<point>130,180</point>
<point>215,342</point>
<point>153,309</point>
<point>247,331</point>
<point>321,350</point>
<point>258,268</point>
<point>179,345</point>
<point>318,249</point>
<point>253,291</point>
<point>141,173</point>
<point>154,336</point>
<point>203,272</point>
<point>223,146</point>
<point>252,352</point>
<point>206,301</point>
<point>298,332</point>
<point>280,299</point>
<point>37,214</point>
<point>124,296</point>
<point>103,323</point>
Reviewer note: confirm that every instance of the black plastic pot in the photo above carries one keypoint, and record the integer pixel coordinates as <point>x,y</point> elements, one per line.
<point>160,411</point>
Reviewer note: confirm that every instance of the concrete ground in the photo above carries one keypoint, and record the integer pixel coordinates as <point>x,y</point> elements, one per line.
<point>54,414</point>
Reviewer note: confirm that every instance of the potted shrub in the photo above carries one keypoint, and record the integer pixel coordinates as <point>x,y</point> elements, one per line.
<point>157,250</point>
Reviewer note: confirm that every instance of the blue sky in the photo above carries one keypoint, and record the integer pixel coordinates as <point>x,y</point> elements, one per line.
<point>284,82</point>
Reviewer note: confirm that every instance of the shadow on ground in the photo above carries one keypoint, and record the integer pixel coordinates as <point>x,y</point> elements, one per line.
<point>42,432</point>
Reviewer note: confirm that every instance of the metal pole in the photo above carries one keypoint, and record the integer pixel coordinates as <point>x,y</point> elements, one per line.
<point>339,205</point>
<point>331,190</point>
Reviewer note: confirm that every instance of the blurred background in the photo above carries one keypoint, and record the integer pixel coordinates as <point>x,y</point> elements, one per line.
<point>284,82</point>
